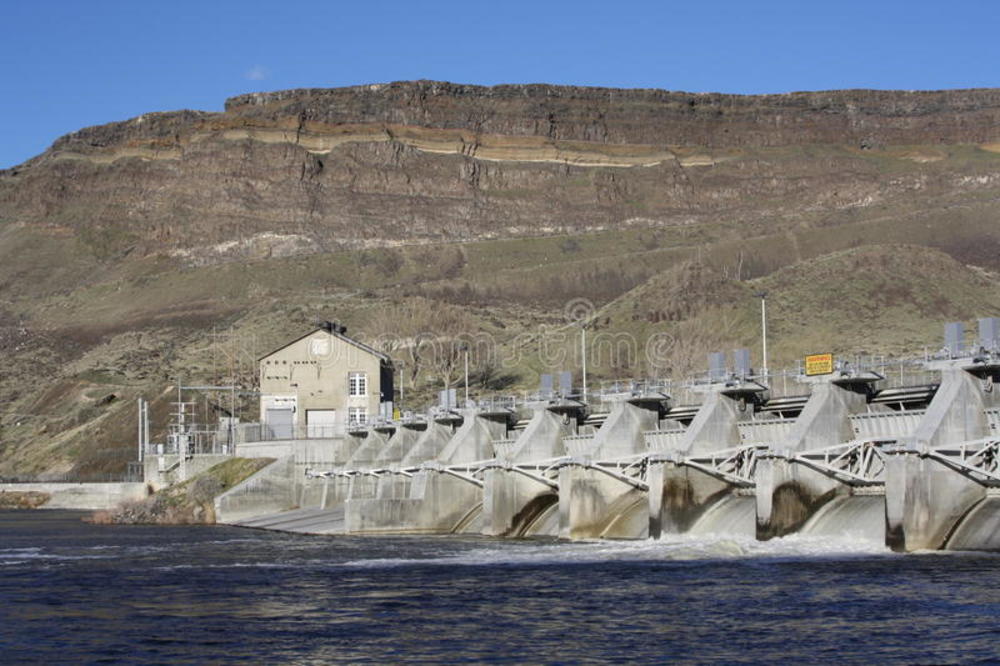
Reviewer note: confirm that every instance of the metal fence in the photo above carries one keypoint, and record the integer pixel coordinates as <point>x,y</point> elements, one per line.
<point>261,432</point>
<point>132,474</point>
<point>196,440</point>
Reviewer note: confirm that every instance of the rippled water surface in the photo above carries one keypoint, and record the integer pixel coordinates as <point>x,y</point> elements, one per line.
<point>72,592</point>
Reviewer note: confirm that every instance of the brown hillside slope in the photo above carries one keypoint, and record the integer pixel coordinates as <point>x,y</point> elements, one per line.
<point>883,299</point>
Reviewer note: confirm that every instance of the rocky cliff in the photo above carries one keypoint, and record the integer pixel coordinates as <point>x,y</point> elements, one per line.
<point>307,171</point>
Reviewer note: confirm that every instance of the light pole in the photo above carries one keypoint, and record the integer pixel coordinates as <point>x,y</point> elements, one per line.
<point>583,356</point>
<point>466,350</point>
<point>402,380</point>
<point>762,295</point>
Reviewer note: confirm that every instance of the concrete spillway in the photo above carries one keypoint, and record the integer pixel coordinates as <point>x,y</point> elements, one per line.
<point>731,516</point>
<point>861,517</point>
<point>539,518</point>
<point>979,529</point>
<point>912,467</point>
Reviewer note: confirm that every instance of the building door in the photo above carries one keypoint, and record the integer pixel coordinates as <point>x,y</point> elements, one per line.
<point>279,423</point>
<point>320,422</point>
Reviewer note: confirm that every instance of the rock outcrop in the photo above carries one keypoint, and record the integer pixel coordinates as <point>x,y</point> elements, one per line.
<point>306,171</point>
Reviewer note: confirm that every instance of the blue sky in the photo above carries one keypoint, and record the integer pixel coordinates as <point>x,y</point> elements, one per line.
<point>66,65</point>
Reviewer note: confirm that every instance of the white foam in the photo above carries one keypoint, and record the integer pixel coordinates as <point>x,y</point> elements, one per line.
<point>672,548</point>
<point>21,555</point>
<point>18,553</point>
<point>234,565</point>
<point>676,548</point>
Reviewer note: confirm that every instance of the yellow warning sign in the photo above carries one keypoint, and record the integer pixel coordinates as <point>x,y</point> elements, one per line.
<point>819,364</point>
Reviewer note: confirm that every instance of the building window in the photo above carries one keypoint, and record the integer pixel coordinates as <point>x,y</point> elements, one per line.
<point>357,416</point>
<point>357,384</point>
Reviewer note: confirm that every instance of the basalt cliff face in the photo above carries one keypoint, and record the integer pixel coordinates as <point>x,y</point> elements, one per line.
<point>127,249</point>
<point>306,171</point>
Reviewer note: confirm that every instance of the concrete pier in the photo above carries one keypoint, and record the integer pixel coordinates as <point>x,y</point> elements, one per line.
<point>788,491</point>
<point>517,495</point>
<point>929,488</point>
<point>679,493</point>
<point>596,497</point>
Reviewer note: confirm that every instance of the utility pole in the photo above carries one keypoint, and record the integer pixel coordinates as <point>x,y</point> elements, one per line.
<point>141,428</point>
<point>401,380</point>
<point>231,445</point>
<point>466,349</point>
<point>762,295</point>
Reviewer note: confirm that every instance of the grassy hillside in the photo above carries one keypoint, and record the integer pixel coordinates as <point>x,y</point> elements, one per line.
<point>881,299</point>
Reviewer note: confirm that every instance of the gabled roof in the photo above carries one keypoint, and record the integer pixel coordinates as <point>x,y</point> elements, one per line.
<point>351,341</point>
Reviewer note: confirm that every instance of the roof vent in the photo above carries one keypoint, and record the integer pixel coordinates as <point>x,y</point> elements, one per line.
<point>333,327</point>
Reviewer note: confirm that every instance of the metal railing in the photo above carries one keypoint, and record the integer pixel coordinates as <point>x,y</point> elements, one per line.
<point>261,432</point>
<point>859,462</point>
<point>778,382</point>
<point>978,459</point>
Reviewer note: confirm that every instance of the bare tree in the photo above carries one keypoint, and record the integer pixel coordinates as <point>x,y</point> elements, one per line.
<point>432,336</point>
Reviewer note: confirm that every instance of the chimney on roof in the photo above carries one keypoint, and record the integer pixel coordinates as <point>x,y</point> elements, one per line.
<point>333,327</point>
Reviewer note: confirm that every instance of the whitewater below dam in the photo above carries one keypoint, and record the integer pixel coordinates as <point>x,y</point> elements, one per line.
<point>142,594</point>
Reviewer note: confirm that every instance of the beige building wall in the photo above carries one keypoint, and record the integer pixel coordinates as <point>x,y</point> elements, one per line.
<point>312,374</point>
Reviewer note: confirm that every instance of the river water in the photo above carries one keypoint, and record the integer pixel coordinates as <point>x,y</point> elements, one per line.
<point>73,592</point>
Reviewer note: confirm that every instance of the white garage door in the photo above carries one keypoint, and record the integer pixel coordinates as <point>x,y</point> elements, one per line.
<point>280,422</point>
<point>320,422</point>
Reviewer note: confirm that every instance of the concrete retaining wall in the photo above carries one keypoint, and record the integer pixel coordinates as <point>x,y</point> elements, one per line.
<point>270,490</point>
<point>307,452</point>
<point>85,496</point>
<point>195,465</point>
<point>264,449</point>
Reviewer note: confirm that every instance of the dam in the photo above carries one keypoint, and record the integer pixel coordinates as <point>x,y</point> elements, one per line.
<point>910,458</point>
